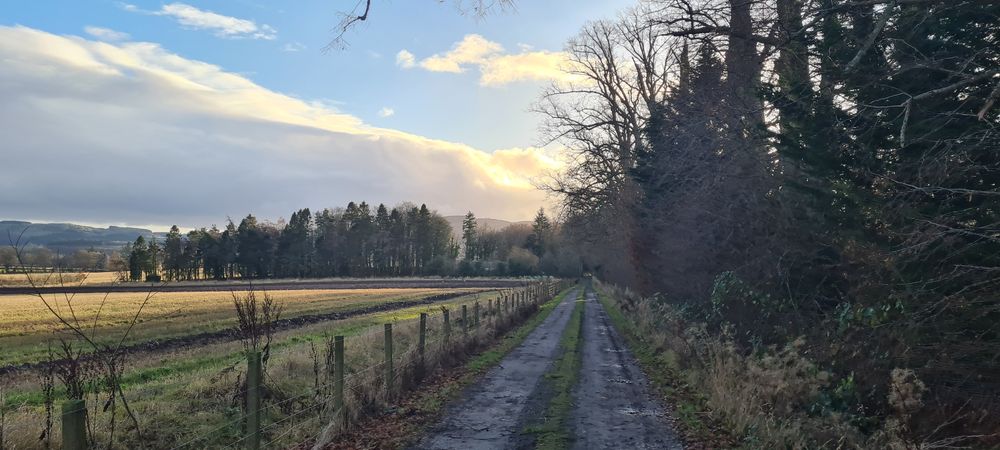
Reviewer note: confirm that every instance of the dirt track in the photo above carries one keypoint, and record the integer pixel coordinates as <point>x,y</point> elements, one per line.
<point>613,407</point>
<point>612,404</point>
<point>493,410</point>
<point>373,283</point>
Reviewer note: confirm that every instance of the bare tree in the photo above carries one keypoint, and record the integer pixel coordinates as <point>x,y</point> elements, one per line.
<point>620,69</point>
<point>363,8</point>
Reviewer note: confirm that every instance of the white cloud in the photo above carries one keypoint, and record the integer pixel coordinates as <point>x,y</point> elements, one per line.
<point>129,132</point>
<point>221,25</point>
<point>293,47</point>
<point>496,68</point>
<point>386,112</point>
<point>527,66</point>
<point>106,34</point>
<point>405,59</point>
<point>472,49</point>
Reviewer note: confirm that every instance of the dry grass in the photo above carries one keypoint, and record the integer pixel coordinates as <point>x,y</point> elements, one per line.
<point>57,279</point>
<point>28,326</point>
<point>770,399</point>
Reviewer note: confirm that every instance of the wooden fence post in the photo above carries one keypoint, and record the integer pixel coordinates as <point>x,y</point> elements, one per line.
<point>475,315</point>
<point>74,425</point>
<point>338,379</point>
<point>447,325</point>
<point>389,375</point>
<point>465,320</point>
<point>253,401</point>
<point>422,340</point>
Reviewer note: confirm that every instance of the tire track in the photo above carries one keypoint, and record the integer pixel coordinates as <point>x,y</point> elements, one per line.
<point>493,410</point>
<point>614,407</point>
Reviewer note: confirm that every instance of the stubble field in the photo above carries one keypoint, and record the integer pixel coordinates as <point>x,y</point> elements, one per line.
<point>189,390</point>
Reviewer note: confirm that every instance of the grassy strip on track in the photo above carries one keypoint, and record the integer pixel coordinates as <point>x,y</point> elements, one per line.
<point>689,407</point>
<point>404,424</point>
<point>553,432</point>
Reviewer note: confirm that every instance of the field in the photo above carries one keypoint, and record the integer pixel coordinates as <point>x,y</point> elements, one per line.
<point>28,326</point>
<point>190,394</point>
<point>52,279</point>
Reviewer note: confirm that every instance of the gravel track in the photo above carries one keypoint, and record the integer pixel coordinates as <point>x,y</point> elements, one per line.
<point>491,412</point>
<point>613,406</point>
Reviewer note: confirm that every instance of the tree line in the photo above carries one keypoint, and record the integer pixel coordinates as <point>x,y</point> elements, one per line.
<point>44,258</point>
<point>825,169</point>
<point>354,241</point>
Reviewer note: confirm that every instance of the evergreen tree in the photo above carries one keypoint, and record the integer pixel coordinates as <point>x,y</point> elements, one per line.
<point>469,235</point>
<point>541,229</point>
<point>173,254</point>
<point>295,246</point>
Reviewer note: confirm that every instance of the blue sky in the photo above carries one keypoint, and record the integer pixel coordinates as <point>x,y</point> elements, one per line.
<point>156,113</point>
<point>363,78</point>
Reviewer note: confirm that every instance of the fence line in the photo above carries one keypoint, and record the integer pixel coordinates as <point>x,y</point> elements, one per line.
<point>435,332</point>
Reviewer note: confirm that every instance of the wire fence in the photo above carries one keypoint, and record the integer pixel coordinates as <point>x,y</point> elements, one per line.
<point>300,390</point>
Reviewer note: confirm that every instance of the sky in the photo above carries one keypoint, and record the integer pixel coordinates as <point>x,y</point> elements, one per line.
<point>150,113</point>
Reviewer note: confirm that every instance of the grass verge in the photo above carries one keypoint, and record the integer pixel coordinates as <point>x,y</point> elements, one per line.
<point>404,423</point>
<point>694,419</point>
<point>552,433</point>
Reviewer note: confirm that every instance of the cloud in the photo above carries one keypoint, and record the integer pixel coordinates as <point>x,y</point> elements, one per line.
<point>472,49</point>
<point>386,112</point>
<point>221,25</point>
<point>496,68</point>
<point>527,66</point>
<point>106,34</point>
<point>293,47</point>
<point>405,59</point>
<point>130,133</point>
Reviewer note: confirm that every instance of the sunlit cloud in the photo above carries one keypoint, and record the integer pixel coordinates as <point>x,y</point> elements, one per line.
<point>405,59</point>
<point>496,67</point>
<point>528,66</point>
<point>473,49</point>
<point>386,112</point>
<point>106,34</point>
<point>221,25</point>
<point>129,132</point>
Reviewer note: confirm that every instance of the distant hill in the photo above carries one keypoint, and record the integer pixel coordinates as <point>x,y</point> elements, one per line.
<point>482,223</point>
<point>66,237</point>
